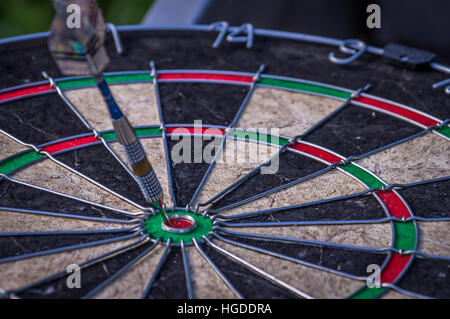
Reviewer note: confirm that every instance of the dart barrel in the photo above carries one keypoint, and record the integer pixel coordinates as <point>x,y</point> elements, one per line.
<point>137,159</point>
<point>148,182</point>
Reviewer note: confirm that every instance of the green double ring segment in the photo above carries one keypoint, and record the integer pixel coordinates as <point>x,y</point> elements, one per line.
<point>203,228</point>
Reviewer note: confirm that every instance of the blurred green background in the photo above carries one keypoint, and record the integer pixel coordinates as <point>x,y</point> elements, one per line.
<point>29,16</point>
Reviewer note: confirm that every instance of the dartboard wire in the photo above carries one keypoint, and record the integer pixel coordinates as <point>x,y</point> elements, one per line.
<point>392,224</point>
<point>271,238</point>
<point>118,273</point>
<point>116,37</point>
<point>233,123</point>
<point>92,181</point>
<point>386,187</point>
<point>351,158</point>
<point>344,161</point>
<point>406,292</point>
<point>394,240</point>
<point>71,232</point>
<point>355,94</point>
<point>243,178</point>
<point>300,261</point>
<point>333,222</point>
<point>82,200</point>
<point>157,270</point>
<point>257,270</point>
<point>371,190</point>
<point>319,243</point>
<point>187,274</point>
<point>393,229</point>
<point>37,89</point>
<point>70,216</point>
<point>217,270</point>
<point>86,123</point>
<point>84,264</point>
<point>288,258</point>
<point>154,75</point>
<point>335,112</point>
<point>277,189</point>
<point>70,247</point>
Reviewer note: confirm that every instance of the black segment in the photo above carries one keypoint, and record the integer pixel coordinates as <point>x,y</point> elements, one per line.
<point>431,200</point>
<point>25,244</point>
<point>98,163</point>
<point>357,130</point>
<point>193,50</point>
<point>215,104</point>
<point>342,259</point>
<point>250,284</point>
<point>23,62</point>
<point>91,277</point>
<point>24,197</point>
<point>429,277</point>
<point>291,167</point>
<point>188,164</point>
<point>171,282</point>
<point>355,208</point>
<point>40,119</point>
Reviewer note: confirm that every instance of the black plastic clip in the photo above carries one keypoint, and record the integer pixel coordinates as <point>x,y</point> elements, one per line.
<point>407,57</point>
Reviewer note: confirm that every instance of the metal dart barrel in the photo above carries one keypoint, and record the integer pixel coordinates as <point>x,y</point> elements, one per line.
<point>132,147</point>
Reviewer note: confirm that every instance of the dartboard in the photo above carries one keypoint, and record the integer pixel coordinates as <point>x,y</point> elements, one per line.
<point>299,167</point>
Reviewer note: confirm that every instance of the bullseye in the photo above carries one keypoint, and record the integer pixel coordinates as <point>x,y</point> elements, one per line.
<point>179,223</point>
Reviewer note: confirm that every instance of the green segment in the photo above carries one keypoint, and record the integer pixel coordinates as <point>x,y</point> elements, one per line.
<point>405,236</point>
<point>153,227</point>
<point>308,87</point>
<point>75,83</point>
<point>111,79</point>
<point>368,293</point>
<point>363,175</point>
<point>14,162</point>
<point>144,131</point>
<point>260,137</point>
<point>444,131</point>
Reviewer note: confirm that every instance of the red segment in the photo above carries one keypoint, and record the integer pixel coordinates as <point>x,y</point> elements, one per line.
<point>195,130</point>
<point>61,146</point>
<point>414,116</point>
<point>205,76</point>
<point>394,267</point>
<point>317,152</point>
<point>179,223</point>
<point>394,204</point>
<point>24,91</point>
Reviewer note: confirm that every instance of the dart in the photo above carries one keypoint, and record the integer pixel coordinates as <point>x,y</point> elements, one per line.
<point>81,51</point>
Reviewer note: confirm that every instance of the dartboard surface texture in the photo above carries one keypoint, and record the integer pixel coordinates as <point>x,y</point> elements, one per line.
<point>317,180</point>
